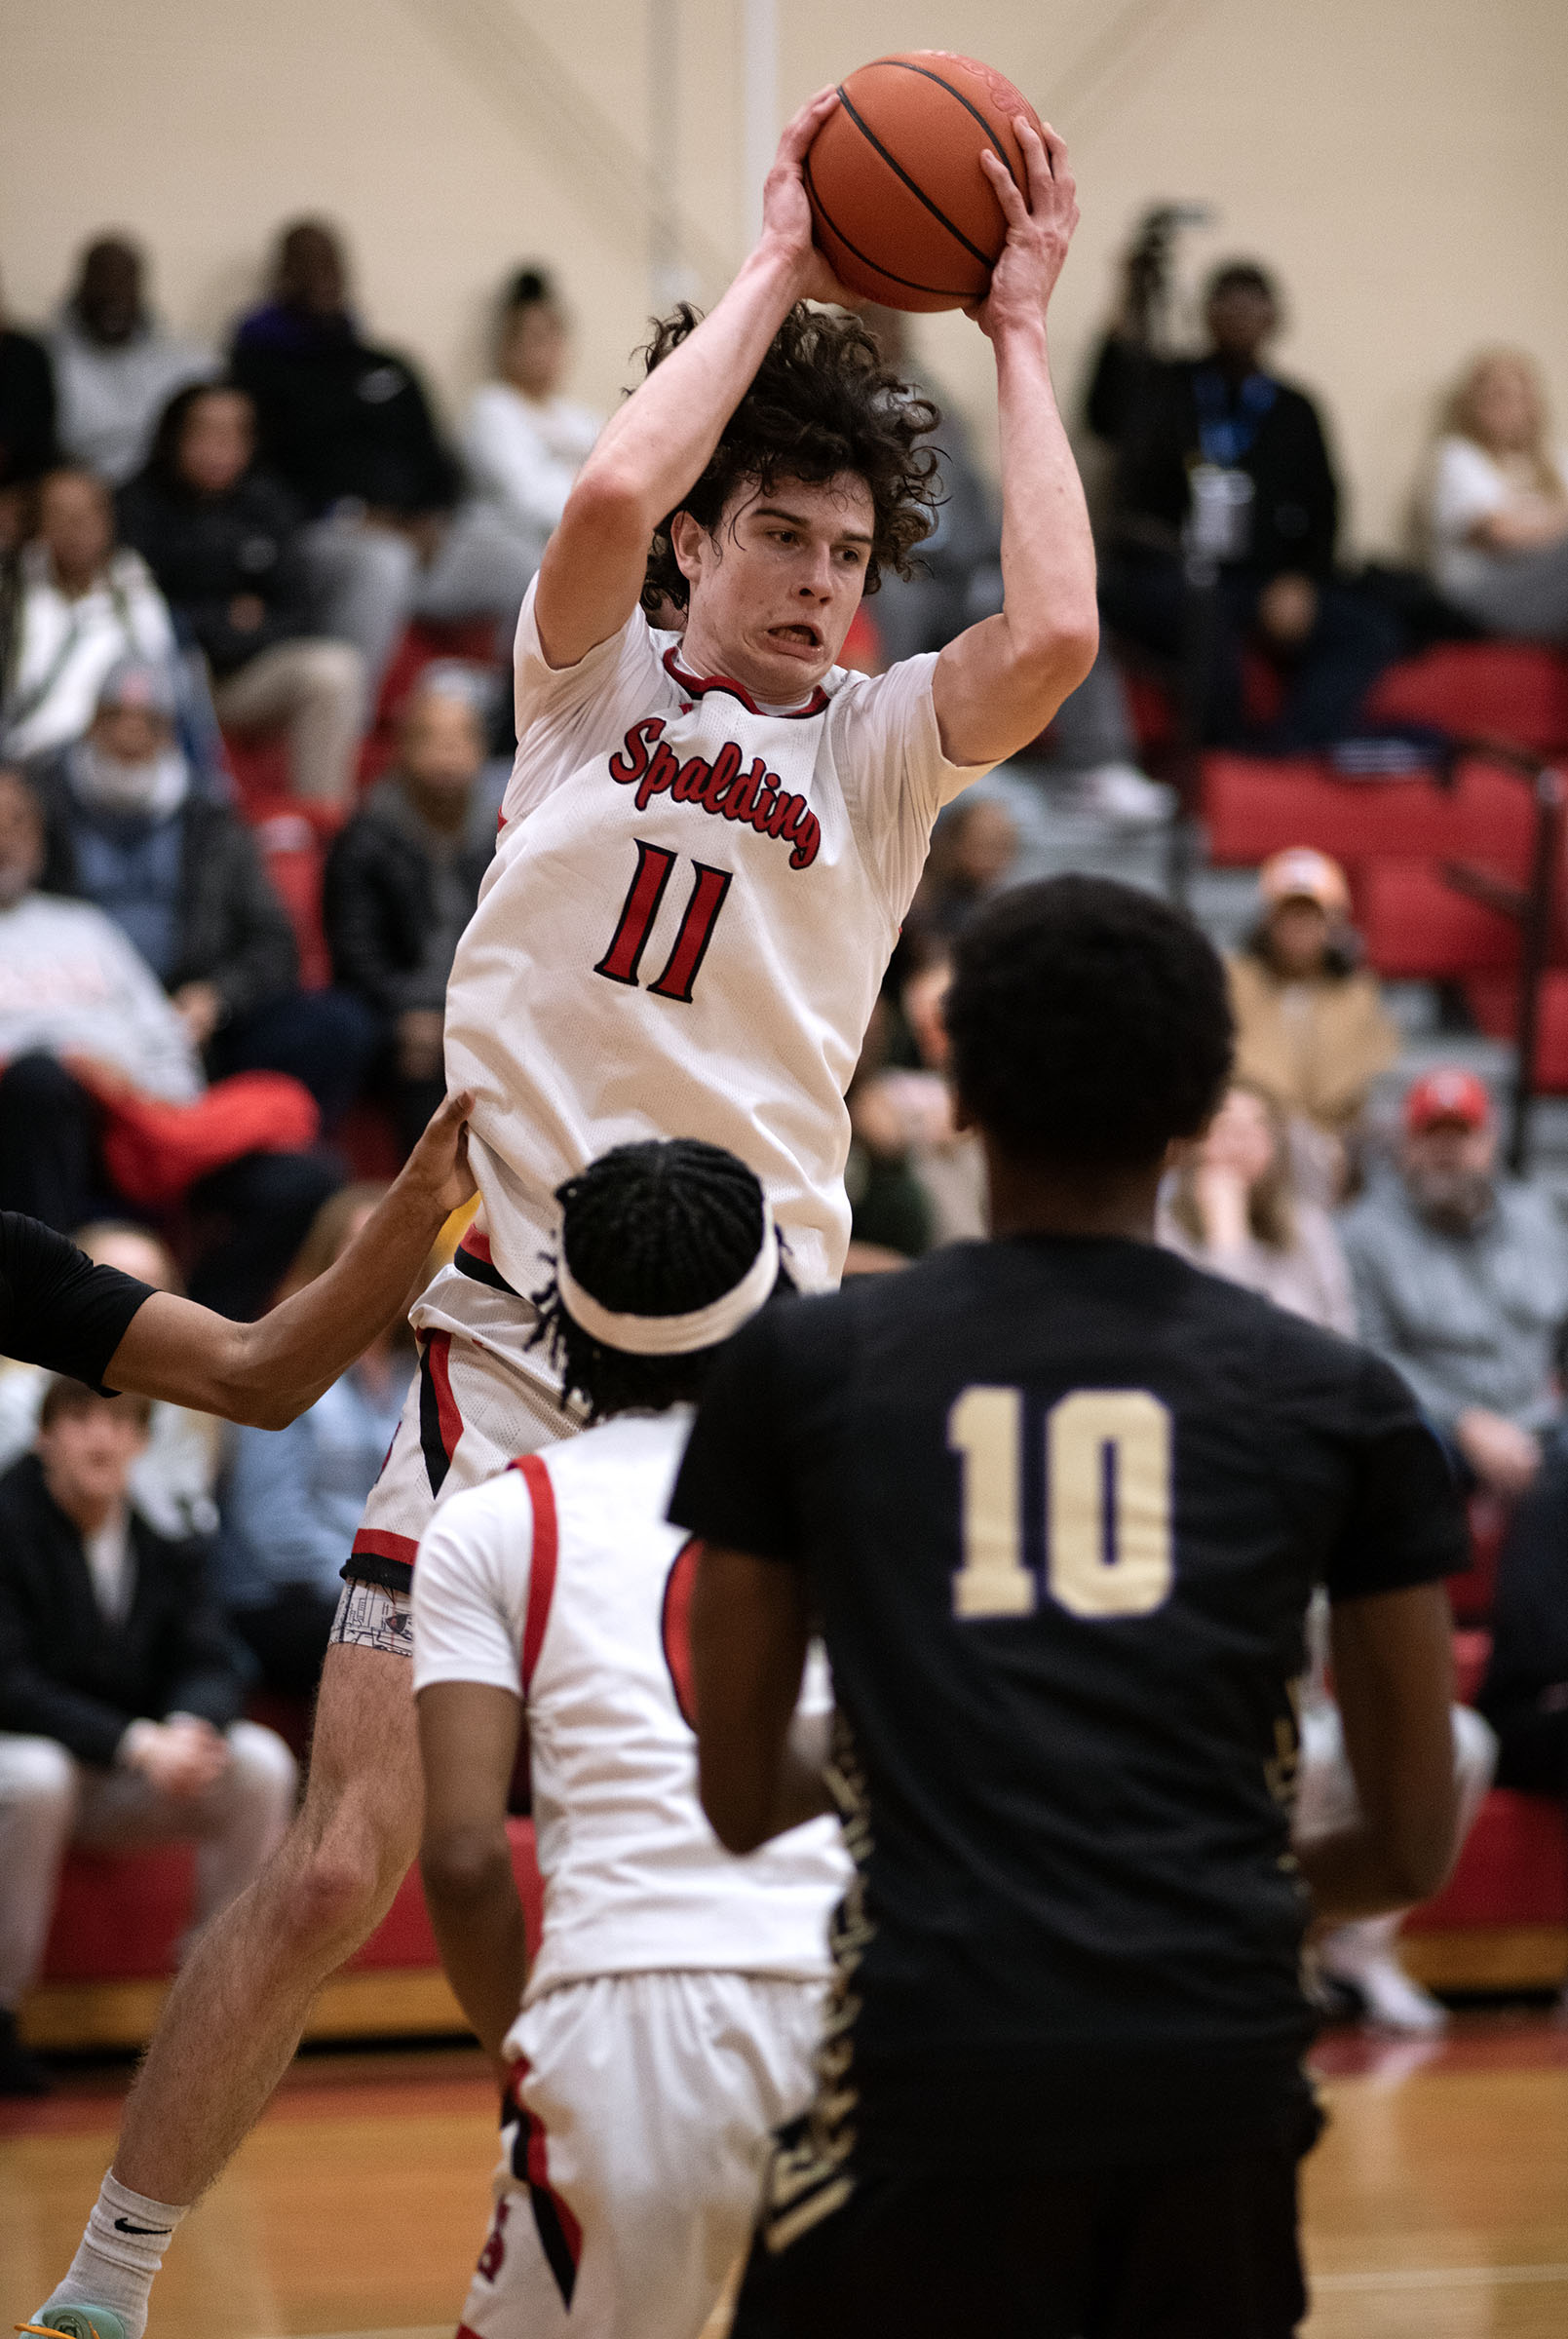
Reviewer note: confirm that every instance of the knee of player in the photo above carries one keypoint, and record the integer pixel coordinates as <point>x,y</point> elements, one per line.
<point>339,1886</point>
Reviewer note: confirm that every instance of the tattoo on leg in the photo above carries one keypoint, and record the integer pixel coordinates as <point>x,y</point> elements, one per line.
<point>370,1616</point>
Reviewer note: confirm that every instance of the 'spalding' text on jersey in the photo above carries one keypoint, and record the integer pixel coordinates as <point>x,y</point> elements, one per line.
<point>756,797</point>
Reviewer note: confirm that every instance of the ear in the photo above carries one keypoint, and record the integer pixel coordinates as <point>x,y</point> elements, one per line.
<point>688,540</point>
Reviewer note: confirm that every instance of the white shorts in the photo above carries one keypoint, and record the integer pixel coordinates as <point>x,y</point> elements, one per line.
<point>480,1399</point>
<point>631,2178</point>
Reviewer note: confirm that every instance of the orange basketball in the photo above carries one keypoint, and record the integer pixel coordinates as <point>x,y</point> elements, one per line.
<point>904,212</point>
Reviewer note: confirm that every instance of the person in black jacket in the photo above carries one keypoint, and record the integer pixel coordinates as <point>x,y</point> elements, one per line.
<point>182,879</point>
<point>1219,450</point>
<point>1525,1694</point>
<point>120,1692</point>
<point>224,543</point>
<point>403,880</point>
<point>28,444</point>
<point>348,427</point>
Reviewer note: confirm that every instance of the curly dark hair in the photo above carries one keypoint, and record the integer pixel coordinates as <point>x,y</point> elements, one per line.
<point>1091,1023</point>
<point>821,403</point>
<point>659,1228</point>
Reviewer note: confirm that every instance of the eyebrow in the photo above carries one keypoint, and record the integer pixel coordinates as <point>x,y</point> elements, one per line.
<point>778,511</point>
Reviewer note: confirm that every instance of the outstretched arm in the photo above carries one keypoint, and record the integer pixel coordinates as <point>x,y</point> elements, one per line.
<point>999,684</point>
<point>656,448</point>
<point>265,1373</point>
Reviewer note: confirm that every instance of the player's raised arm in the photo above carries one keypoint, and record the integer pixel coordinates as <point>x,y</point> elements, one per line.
<point>998,684</point>
<point>655,448</point>
<point>265,1373</point>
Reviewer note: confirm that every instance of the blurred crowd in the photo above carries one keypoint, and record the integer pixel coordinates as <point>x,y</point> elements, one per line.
<point>210,557</point>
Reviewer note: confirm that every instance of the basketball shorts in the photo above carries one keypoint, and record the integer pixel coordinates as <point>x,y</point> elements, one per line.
<point>633,2152</point>
<point>1206,2251</point>
<point>480,1399</point>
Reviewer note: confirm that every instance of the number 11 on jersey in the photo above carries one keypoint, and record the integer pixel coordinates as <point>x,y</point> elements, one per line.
<point>1108,1503</point>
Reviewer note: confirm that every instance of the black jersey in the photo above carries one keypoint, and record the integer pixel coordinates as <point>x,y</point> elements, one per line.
<point>56,1308</point>
<point>1062,1504</point>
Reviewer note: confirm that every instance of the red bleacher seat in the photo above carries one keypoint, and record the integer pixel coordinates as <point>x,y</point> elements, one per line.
<point>1255,805</point>
<point>1416,925</point>
<point>1507,690</point>
<point>119,1918</point>
<point>1513,1868</point>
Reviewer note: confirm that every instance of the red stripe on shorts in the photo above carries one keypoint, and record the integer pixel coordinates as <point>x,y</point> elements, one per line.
<point>438,1355</point>
<point>541,1573</point>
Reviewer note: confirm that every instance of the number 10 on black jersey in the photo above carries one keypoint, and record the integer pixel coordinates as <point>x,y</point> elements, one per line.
<point>1108,1503</point>
<point>643,901</point>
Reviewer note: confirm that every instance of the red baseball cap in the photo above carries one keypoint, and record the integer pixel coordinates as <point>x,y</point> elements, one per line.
<point>1448,1095</point>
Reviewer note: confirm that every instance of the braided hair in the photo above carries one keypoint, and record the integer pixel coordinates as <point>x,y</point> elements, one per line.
<point>660,1228</point>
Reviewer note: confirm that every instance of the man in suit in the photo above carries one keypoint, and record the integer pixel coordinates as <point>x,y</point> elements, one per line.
<point>119,1693</point>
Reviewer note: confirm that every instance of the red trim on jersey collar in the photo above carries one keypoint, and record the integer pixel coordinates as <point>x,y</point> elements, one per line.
<point>792,714</point>
<point>542,1570</point>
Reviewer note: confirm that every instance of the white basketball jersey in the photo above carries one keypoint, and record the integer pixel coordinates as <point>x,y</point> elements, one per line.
<point>562,1579</point>
<point>691,908</point>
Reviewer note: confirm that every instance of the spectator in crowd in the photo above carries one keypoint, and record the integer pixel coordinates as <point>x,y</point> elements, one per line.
<point>347,426</point>
<point>181,878</point>
<point>115,367</point>
<point>1525,1693</point>
<point>524,443</point>
<point>1232,1208</point>
<point>903,1122</point>
<point>292,1498</point>
<point>1218,449</point>
<point>82,605</point>
<point>403,879</point>
<point>28,446</point>
<point>1311,1027</point>
<point>173,1480</point>
<point>973,848</point>
<point>82,1017</point>
<point>1090,748</point>
<point>1498,516</point>
<point>1461,1280</point>
<point>119,1693</point>
<point>224,543</point>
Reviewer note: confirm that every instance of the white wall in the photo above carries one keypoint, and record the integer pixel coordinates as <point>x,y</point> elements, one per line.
<point>1401,163</point>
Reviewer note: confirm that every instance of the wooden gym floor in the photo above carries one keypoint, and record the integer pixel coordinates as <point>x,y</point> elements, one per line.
<point>1436,2206</point>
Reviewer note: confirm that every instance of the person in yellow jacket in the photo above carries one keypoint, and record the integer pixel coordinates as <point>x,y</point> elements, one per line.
<point>1310,1026</point>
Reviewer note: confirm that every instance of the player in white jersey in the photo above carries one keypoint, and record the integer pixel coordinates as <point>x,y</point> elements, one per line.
<point>670,2015</point>
<point>708,845</point>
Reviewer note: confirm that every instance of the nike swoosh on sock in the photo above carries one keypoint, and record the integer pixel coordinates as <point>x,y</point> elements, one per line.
<point>123,2225</point>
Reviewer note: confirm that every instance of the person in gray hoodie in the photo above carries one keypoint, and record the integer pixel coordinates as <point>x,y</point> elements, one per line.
<point>116,367</point>
<point>1461,1281</point>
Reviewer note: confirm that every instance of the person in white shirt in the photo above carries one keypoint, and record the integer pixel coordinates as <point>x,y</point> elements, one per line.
<point>670,2016</point>
<point>710,838</point>
<point>116,367</point>
<point>1497,512</point>
<point>84,606</point>
<point>524,443</point>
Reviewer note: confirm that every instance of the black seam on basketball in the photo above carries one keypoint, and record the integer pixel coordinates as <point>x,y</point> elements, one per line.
<point>919,192</point>
<point>927,74</point>
<point>943,291</point>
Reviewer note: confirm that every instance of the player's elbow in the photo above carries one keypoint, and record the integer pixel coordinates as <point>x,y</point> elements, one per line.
<point>608,502</point>
<point>1420,1858</point>
<point>463,1866</point>
<point>738,1819</point>
<point>248,1386</point>
<point>1056,656</point>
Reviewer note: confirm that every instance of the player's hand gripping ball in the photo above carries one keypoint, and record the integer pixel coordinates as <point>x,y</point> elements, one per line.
<point>901,208</point>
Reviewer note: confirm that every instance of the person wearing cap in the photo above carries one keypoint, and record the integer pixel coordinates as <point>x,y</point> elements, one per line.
<point>1311,1027</point>
<point>1461,1280</point>
<point>180,877</point>
<point>403,880</point>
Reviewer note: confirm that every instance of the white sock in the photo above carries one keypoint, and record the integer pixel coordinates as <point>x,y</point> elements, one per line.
<point>121,2253</point>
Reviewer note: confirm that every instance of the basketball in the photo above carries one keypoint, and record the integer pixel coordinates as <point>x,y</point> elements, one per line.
<point>904,212</point>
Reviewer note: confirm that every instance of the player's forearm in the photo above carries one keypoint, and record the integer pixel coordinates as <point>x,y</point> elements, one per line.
<point>1048,607</point>
<point>477,1919</point>
<point>653,450</point>
<point>1357,1871</point>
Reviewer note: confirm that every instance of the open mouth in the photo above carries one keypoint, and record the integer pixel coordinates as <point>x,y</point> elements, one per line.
<point>800,636</point>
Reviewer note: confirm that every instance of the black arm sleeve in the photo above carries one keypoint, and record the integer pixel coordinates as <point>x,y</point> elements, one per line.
<point>56,1309</point>
<point>735,1486</point>
<point>1405,1523</point>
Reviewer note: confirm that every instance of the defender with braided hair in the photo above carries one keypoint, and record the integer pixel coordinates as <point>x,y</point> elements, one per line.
<point>711,834</point>
<point>670,2017</point>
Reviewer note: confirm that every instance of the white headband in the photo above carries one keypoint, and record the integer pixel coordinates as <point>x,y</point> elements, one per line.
<point>675,1335</point>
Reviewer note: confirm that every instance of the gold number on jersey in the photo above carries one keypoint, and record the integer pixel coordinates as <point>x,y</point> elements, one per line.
<point>985,1426</point>
<point>1108,1530</point>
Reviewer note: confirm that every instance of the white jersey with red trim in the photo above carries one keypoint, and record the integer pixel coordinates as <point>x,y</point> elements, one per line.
<point>682,934</point>
<point>562,1576</point>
